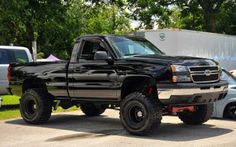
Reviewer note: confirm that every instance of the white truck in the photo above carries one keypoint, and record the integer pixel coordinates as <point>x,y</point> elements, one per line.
<point>11,54</point>
<point>177,42</point>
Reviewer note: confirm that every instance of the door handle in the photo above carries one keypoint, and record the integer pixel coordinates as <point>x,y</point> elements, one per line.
<point>76,70</point>
<point>80,69</point>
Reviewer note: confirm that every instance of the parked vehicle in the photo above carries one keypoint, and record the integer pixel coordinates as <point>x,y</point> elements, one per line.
<point>233,72</point>
<point>178,42</point>
<point>11,54</point>
<point>226,108</point>
<point>125,72</point>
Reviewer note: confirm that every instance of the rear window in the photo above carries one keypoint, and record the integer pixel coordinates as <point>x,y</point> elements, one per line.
<point>13,56</point>
<point>3,57</point>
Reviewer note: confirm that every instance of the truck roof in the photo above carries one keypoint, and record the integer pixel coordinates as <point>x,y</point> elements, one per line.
<point>13,47</point>
<point>108,35</point>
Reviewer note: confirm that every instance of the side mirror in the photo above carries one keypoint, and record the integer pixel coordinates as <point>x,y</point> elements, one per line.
<point>102,55</point>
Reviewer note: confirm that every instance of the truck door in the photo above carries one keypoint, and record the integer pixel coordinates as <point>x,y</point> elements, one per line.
<point>93,79</point>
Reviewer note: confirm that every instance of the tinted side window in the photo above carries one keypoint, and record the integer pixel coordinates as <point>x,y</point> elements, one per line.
<point>3,57</point>
<point>21,56</point>
<point>13,56</point>
<point>89,49</point>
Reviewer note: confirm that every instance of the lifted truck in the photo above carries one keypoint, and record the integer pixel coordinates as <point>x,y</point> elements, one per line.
<point>125,72</point>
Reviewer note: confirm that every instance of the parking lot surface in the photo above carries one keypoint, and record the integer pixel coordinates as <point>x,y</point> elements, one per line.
<point>75,129</point>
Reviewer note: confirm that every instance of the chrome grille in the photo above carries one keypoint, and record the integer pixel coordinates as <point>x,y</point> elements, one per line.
<point>203,68</point>
<point>204,74</point>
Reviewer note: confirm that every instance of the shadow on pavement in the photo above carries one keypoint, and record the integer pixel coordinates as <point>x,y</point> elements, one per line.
<point>101,126</point>
<point>224,119</point>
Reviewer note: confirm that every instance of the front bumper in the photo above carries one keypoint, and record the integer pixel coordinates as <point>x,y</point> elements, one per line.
<point>191,93</point>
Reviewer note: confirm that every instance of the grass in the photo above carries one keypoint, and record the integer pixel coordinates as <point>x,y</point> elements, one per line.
<point>10,100</point>
<point>10,107</point>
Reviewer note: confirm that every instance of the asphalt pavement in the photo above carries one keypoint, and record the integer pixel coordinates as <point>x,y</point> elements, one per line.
<point>75,129</point>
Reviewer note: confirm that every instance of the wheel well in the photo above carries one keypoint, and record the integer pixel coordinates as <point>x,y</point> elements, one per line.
<point>225,115</point>
<point>33,83</point>
<point>145,85</point>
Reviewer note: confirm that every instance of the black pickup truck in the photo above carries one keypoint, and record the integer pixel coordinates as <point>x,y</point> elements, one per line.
<point>121,72</point>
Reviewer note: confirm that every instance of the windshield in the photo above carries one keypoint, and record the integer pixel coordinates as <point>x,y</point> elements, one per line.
<point>131,46</point>
<point>228,77</point>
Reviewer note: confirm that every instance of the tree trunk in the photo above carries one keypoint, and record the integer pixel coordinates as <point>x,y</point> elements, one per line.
<point>210,21</point>
<point>30,33</point>
<point>113,19</point>
<point>211,9</point>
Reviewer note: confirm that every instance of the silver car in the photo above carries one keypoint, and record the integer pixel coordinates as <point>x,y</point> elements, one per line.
<point>226,108</point>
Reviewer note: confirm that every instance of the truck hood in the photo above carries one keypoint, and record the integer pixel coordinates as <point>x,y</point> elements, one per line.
<point>179,60</point>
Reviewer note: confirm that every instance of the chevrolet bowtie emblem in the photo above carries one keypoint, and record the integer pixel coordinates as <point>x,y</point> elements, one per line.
<point>207,72</point>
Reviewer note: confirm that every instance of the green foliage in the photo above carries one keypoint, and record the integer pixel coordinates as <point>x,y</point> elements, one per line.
<point>55,25</point>
<point>101,18</point>
<point>149,12</point>
<point>106,20</point>
<point>211,15</point>
<point>226,22</point>
<point>40,55</point>
<point>27,20</point>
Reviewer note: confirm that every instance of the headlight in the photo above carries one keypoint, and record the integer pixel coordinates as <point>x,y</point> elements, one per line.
<point>177,77</point>
<point>181,78</point>
<point>178,68</point>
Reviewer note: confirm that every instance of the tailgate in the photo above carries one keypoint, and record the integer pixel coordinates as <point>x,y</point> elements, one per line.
<point>4,84</point>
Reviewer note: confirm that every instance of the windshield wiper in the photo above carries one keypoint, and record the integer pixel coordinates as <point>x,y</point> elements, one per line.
<point>132,54</point>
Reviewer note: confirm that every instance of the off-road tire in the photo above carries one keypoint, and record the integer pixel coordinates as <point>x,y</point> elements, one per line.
<point>151,111</point>
<point>36,106</point>
<point>201,115</point>
<point>90,109</point>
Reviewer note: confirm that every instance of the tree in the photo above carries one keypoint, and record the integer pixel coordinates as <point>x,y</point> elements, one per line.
<point>23,21</point>
<point>206,10</point>
<point>106,17</point>
<point>226,22</point>
<point>149,12</point>
<point>201,15</point>
<point>55,25</point>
